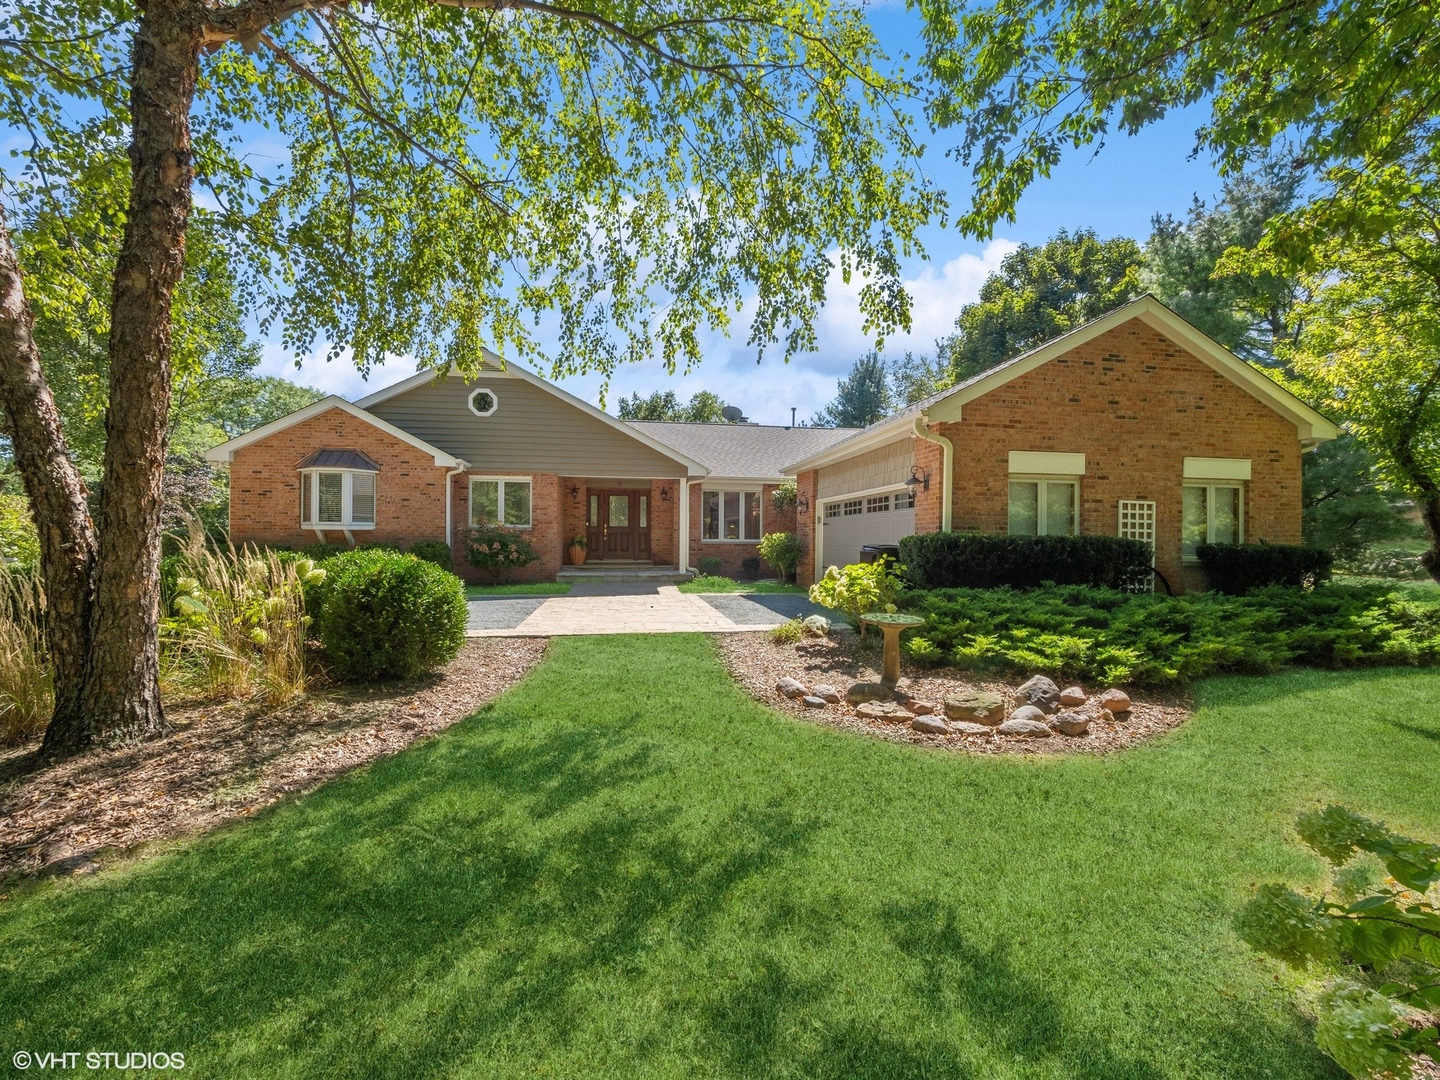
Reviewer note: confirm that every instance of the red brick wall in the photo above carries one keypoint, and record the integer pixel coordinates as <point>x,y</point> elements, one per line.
<point>732,552</point>
<point>930,457</point>
<point>664,522</point>
<point>265,486</point>
<point>1135,404</point>
<point>547,533</point>
<point>807,486</point>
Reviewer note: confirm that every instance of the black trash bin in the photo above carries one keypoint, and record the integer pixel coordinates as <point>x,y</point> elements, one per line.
<point>871,552</point>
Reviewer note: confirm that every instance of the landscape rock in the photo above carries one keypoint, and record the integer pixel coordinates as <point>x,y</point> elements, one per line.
<point>930,725</point>
<point>920,708</point>
<point>862,692</point>
<point>887,712</point>
<point>1040,692</point>
<point>810,701</point>
<point>791,688</point>
<point>1115,701</point>
<point>1070,723</point>
<point>976,707</point>
<point>828,693</point>
<point>818,625</point>
<point>964,727</point>
<point>1072,696</point>
<point>1023,721</point>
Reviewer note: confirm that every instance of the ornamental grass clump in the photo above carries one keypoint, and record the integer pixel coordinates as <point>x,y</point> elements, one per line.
<point>390,616</point>
<point>234,622</point>
<point>27,692</point>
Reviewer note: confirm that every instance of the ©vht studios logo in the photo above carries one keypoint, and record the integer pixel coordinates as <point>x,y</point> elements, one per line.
<point>96,1059</point>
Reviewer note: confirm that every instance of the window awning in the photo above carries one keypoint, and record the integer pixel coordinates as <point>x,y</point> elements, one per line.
<point>338,459</point>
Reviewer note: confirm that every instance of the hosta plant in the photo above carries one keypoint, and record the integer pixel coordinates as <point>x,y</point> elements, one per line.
<point>1372,939</point>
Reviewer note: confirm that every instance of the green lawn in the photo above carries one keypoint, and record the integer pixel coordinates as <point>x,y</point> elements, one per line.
<point>714,584</point>
<point>529,588</point>
<point>628,869</point>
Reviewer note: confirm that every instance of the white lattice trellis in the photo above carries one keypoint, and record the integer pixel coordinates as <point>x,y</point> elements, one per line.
<point>1137,520</point>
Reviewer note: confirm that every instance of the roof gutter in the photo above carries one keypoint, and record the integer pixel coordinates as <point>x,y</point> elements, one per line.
<point>947,475</point>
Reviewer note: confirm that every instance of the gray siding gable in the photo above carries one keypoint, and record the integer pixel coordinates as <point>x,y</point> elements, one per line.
<point>531,430</point>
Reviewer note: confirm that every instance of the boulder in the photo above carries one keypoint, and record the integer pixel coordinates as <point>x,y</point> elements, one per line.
<point>1071,697</point>
<point>1024,725</point>
<point>816,624</point>
<point>810,701</point>
<point>1115,701</point>
<point>862,692</point>
<point>930,725</point>
<point>1040,692</point>
<point>886,712</point>
<point>1070,723</point>
<point>828,693</point>
<point>791,688</point>
<point>920,708</point>
<point>964,727</point>
<point>976,707</point>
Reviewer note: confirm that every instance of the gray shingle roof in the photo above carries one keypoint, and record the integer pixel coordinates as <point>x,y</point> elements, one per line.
<point>743,450</point>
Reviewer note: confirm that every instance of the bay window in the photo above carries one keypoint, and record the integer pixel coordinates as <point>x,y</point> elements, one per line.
<point>730,515</point>
<point>337,498</point>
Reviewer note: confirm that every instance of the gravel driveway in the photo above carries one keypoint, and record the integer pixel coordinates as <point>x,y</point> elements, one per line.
<point>763,609</point>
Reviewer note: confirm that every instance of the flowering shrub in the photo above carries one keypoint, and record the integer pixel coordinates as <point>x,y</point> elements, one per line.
<point>858,589</point>
<point>782,551</point>
<point>497,549</point>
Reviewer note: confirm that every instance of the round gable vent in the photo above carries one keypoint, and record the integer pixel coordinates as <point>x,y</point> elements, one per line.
<point>483,402</point>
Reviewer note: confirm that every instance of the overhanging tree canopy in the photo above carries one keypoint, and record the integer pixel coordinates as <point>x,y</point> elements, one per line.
<point>417,176</point>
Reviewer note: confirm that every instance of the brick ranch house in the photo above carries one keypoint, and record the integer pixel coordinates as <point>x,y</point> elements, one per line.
<point>430,456</point>
<point>1136,424</point>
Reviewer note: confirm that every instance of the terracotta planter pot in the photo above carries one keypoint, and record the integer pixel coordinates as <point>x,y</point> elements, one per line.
<point>577,555</point>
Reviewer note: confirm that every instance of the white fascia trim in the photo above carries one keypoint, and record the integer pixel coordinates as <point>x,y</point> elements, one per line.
<point>225,452</point>
<point>884,432</point>
<point>1309,423</point>
<point>500,367</point>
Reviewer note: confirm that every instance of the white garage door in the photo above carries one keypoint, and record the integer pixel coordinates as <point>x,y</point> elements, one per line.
<point>849,523</point>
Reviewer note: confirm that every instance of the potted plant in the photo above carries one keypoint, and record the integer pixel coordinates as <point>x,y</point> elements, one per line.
<point>577,549</point>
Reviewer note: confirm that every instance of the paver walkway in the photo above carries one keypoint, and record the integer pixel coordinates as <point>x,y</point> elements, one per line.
<point>624,608</point>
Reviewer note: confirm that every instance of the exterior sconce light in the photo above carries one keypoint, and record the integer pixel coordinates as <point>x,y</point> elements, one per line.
<point>802,504</point>
<point>575,494</point>
<point>918,478</point>
<point>664,494</point>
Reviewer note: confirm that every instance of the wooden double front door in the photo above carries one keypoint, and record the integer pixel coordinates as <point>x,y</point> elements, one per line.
<point>618,525</point>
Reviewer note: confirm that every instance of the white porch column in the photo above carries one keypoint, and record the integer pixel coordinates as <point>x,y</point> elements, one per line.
<point>683,546</point>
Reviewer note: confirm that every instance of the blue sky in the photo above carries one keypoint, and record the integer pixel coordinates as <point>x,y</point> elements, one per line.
<point>1114,192</point>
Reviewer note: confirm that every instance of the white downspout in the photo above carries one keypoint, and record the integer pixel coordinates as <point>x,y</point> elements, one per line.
<point>449,532</point>
<point>947,477</point>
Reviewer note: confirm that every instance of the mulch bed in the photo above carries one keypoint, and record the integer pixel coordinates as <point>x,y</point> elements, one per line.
<point>226,760</point>
<point>756,663</point>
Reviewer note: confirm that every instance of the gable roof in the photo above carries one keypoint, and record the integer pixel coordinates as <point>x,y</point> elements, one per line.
<point>503,367</point>
<point>742,451</point>
<point>225,452</point>
<point>947,404</point>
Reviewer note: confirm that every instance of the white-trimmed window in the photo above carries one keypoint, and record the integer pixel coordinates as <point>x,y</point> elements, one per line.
<point>905,500</point>
<point>483,401</point>
<point>500,500</point>
<point>730,515</point>
<point>851,507</point>
<point>1212,514</point>
<point>337,490</point>
<point>877,504</point>
<point>832,509</point>
<point>1042,506</point>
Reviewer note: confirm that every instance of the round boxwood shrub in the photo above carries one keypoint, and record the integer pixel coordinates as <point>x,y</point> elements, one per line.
<point>389,616</point>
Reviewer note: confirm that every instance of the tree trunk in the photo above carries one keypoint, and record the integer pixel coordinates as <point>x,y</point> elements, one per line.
<point>122,688</point>
<point>1430,514</point>
<point>57,495</point>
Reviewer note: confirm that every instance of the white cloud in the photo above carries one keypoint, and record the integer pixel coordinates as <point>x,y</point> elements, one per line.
<point>767,391</point>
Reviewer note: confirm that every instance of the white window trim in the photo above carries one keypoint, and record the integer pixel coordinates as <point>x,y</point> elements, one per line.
<point>500,496</point>
<point>759,492</point>
<point>1040,510</point>
<point>494,401</point>
<point>1210,515</point>
<point>347,506</point>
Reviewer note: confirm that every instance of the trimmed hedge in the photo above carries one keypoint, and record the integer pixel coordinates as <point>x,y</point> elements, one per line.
<point>708,565</point>
<point>1238,568</point>
<point>1103,636</point>
<point>387,615</point>
<point>436,551</point>
<point>981,561</point>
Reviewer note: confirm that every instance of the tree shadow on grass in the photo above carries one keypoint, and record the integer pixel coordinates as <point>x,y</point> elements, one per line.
<point>398,922</point>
